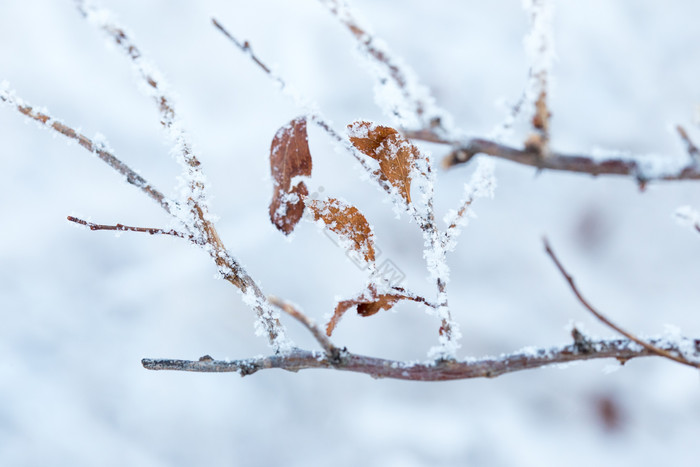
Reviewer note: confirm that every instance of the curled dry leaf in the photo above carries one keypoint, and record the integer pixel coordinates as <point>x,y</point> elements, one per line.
<point>396,155</point>
<point>289,158</point>
<point>368,303</point>
<point>347,222</point>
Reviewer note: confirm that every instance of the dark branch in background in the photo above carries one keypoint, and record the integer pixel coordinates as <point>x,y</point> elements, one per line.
<point>620,349</point>
<point>650,347</point>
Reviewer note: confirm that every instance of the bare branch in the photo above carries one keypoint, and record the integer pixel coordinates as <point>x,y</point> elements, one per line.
<point>650,347</point>
<point>45,120</point>
<point>444,370</point>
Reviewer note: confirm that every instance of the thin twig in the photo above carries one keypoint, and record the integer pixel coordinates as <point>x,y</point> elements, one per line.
<point>650,347</point>
<point>332,352</point>
<point>444,370</point>
<point>128,228</point>
<point>106,156</point>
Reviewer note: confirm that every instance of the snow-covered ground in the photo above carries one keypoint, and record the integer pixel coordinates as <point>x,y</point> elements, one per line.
<point>79,309</point>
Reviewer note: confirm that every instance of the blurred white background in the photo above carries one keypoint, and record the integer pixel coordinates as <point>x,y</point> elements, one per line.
<point>79,309</point>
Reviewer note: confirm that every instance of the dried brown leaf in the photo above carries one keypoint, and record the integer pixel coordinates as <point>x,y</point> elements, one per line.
<point>366,306</point>
<point>396,155</point>
<point>289,158</point>
<point>347,222</point>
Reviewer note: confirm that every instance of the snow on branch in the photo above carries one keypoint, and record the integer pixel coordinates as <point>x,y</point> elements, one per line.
<point>154,85</point>
<point>446,370</point>
<point>99,149</point>
<point>128,228</point>
<point>397,90</point>
<point>195,218</point>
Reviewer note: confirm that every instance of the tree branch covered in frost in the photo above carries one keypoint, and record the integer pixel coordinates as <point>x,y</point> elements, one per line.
<point>393,162</point>
<point>397,90</point>
<point>45,120</point>
<point>488,367</point>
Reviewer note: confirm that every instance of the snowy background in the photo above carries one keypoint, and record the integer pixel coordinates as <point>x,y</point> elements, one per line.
<point>78,310</point>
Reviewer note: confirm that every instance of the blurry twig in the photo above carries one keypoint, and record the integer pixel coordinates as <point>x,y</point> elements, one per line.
<point>650,347</point>
<point>693,150</point>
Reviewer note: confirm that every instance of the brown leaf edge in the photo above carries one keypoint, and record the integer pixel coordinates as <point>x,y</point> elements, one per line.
<point>396,155</point>
<point>289,157</point>
<point>369,303</point>
<point>346,221</point>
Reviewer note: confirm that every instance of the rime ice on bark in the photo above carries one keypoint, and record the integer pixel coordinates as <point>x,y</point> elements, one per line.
<point>152,83</point>
<point>397,90</point>
<point>482,184</point>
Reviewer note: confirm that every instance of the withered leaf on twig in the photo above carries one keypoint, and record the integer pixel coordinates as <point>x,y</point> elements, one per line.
<point>396,155</point>
<point>289,158</point>
<point>347,222</point>
<point>368,303</point>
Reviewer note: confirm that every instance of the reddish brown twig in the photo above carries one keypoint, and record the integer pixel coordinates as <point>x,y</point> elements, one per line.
<point>128,228</point>
<point>650,347</point>
<point>445,370</point>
